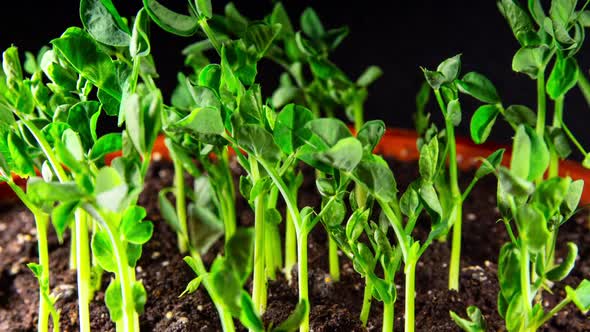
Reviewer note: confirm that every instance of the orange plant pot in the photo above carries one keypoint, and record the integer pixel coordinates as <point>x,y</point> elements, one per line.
<point>399,144</point>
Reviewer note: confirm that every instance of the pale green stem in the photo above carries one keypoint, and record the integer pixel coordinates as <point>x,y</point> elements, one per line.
<point>410,272</point>
<point>290,246</point>
<point>541,107</point>
<point>302,271</point>
<point>41,223</point>
<point>230,197</point>
<point>210,35</point>
<point>180,204</point>
<point>367,299</point>
<point>455,263</point>
<point>584,86</point>
<point>259,278</point>
<point>552,313</point>
<point>557,120</point>
<point>83,276</point>
<point>73,264</point>
<point>525,277</point>
<point>388,315</point>
<point>333,259</point>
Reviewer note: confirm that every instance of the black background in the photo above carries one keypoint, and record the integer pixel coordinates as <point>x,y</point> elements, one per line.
<point>398,36</point>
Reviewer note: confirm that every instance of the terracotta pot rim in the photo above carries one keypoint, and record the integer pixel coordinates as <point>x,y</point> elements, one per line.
<point>400,144</point>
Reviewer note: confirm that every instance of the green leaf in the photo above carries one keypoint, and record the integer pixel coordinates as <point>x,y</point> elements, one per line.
<point>530,60</point>
<point>139,296</point>
<point>335,213</point>
<point>479,87</point>
<point>572,198</point>
<point>549,195</point>
<point>261,37</point>
<point>12,67</point>
<point>40,191</point>
<point>370,75</point>
<point>475,323</point>
<point>563,77</point>
<point>193,285</point>
<point>561,271</point>
<point>103,251</point>
<point>80,117</point>
<point>114,301</point>
<point>374,174</point>
<point>21,164</point>
<point>355,224</point>
<point>280,16</point>
<point>490,164</point>
<point>143,119</point>
<point>257,140</point>
<point>239,251</point>
<point>532,227</point>
<point>133,254</point>
<point>204,124</point>
<point>82,53</point>
<point>514,185</point>
<point>509,270</point>
<point>344,155</point>
<point>482,122</point>
<point>517,18</point>
<point>311,24</point>
<point>580,296</point>
<point>111,189</point>
<point>140,40</point>
<point>329,130</point>
<point>62,216</point>
<point>179,24</point>
<point>409,202</point>
<point>434,78</point>
<point>295,319</point>
<point>291,131</point>
<point>454,112</point>
<point>530,157</point>
<point>104,26</point>
<point>133,228</point>
<point>248,315</point>
<point>204,8</point>
<point>430,200</point>
<point>450,68</point>
<point>428,161</point>
<point>559,142</point>
<point>108,143</point>
<point>370,134</point>
<point>520,114</point>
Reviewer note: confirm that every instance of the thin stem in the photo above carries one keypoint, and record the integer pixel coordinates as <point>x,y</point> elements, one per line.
<point>525,277</point>
<point>334,260</point>
<point>552,313</point>
<point>73,263</point>
<point>455,263</point>
<point>388,317</point>
<point>210,35</point>
<point>180,204</point>
<point>230,196</point>
<point>302,276</point>
<point>584,86</point>
<point>573,138</point>
<point>41,223</point>
<point>367,299</point>
<point>83,276</point>
<point>557,120</point>
<point>541,104</point>
<point>274,260</point>
<point>410,273</point>
<point>290,246</point>
<point>397,227</point>
<point>259,278</point>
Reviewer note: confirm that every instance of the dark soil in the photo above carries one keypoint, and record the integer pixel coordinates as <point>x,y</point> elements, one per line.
<point>335,305</point>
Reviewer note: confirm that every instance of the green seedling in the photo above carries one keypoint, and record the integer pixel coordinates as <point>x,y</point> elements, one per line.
<point>532,211</point>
